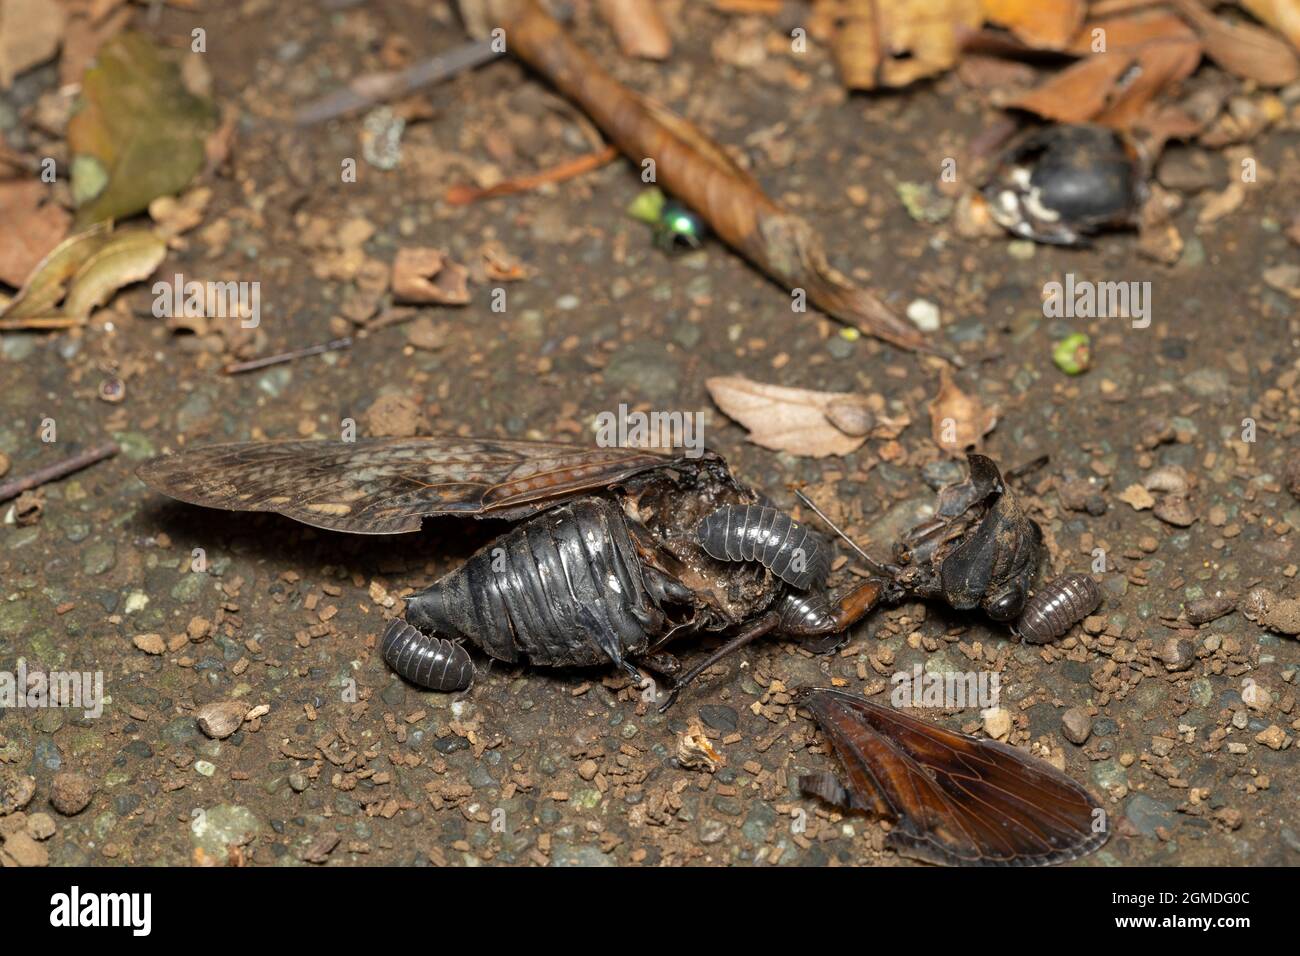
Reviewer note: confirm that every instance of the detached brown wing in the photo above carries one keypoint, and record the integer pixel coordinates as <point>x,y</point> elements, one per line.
<point>387,485</point>
<point>954,799</point>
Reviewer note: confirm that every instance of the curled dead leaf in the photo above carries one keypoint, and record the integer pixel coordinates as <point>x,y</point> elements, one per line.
<point>1241,48</point>
<point>959,421</point>
<point>794,420</point>
<point>33,226</point>
<point>92,266</point>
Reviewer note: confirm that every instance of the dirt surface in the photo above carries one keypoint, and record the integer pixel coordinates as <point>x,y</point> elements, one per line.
<point>350,766</point>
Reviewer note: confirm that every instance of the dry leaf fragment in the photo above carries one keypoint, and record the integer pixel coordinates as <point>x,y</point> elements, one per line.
<point>30,33</point>
<point>31,228</point>
<point>896,42</point>
<point>959,421</point>
<point>45,286</point>
<point>427,276</point>
<point>1281,15</point>
<point>794,420</point>
<point>126,258</point>
<point>220,719</point>
<point>695,752</point>
<point>1248,51</point>
<point>94,264</point>
<point>638,27</point>
<point>1043,24</point>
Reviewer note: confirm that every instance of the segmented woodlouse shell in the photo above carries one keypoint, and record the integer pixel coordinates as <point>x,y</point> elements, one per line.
<point>1056,608</point>
<point>432,662</point>
<point>769,536</point>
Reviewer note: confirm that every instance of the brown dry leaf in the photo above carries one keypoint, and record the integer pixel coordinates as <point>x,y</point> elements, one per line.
<point>30,34</point>
<point>31,228</point>
<point>427,276</point>
<point>638,27</point>
<point>48,282</point>
<point>1043,24</point>
<point>1281,15</point>
<point>959,421</point>
<point>1077,93</point>
<point>1145,53</point>
<point>1159,67</point>
<point>128,257</point>
<point>87,31</point>
<point>496,264</point>
<point>786,419</point>
<point>1248,51</point>
<point>896,42</point>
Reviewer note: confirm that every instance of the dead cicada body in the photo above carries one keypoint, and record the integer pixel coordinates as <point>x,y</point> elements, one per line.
<point>980,550</point>
<point>609,557</point>
<point>613,551</point>
<point>1062,183</point>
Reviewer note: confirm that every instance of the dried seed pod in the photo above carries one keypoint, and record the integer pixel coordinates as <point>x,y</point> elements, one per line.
<point>769,536</point>
<point>1058,607</point>
<point>432,662</point>
<point>221,718</point>
<point>851,416</point>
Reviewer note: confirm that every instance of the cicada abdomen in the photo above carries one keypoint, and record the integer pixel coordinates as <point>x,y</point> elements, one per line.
<point>797,556</point>
<point>564,589</point>
<point>1052,611</point>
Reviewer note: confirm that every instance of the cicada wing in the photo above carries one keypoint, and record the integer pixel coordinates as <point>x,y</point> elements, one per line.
<point>387,485</point>
<point>956,799</point>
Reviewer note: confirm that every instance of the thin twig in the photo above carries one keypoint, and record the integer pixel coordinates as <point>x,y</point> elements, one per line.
<point>464,195</point>
<point>374,88</point>
<point>234,368</point>
<point>60,469</point>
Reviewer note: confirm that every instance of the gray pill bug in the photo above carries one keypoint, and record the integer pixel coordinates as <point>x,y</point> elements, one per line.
<point>432,662</point>
<point>1056,608</point>
<point>797,556</point>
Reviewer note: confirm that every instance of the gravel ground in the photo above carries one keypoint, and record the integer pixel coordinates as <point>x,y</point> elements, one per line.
<point>1186,731</point>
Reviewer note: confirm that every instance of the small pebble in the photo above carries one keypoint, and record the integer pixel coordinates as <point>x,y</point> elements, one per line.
<point>1076,724</point>
<point>70,792</point>
<point>997,723</point>
<point>924,315</point>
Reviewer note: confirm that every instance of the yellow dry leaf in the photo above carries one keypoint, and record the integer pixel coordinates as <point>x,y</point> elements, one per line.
<point>1281,15</point>
<point>896,42</point>
<point>1043,24</point>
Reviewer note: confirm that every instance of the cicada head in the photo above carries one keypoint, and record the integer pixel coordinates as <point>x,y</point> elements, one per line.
<point>980,550</point>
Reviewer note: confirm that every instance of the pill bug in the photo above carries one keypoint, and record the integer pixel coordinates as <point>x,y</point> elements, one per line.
<point>432,662</point>
<point>1058,607</point>
<point>797,556</point>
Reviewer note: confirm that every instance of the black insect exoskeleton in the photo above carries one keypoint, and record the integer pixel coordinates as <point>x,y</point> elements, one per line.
<point>1060,184</point>
<point>1052,611</point>
<point>614,551</point>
